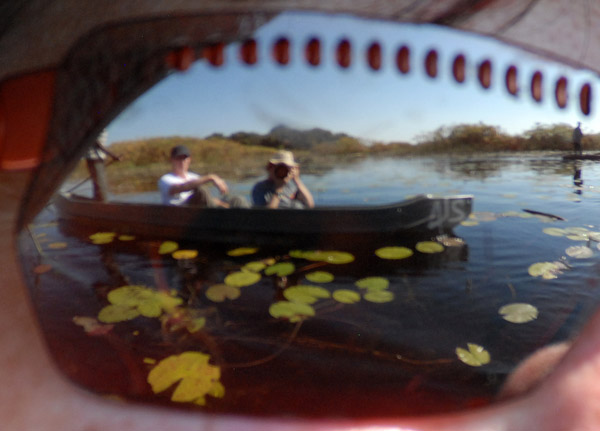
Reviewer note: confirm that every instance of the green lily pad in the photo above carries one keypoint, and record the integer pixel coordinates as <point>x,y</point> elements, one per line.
<point>379,296</point>
<point>346,296</point>
<point>128,302</point>
<point>373,283</point>
<point>320,277</point>
<point>518,312</point>
<point>329,256</point>
<point>394,253</point>
<point>429,247</point>
<point>281,269</point>
<point>305,294</point>
<point>293,311</point>
<point>221,292</point>
<point>242,278</point>
<point>579,252</point>
<point>475,356</point>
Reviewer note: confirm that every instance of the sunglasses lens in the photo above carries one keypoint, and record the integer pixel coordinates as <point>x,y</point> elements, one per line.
<point>448,242</point>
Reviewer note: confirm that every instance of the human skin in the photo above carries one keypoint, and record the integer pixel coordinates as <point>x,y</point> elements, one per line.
<point>35,395</point>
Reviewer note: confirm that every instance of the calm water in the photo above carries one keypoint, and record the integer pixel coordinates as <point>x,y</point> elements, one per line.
<point>385,355</point>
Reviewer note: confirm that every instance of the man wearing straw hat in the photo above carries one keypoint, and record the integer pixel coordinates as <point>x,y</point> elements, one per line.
<point>283,187</point>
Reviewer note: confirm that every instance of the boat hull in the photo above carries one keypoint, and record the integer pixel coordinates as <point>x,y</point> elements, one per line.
<point>421,214</point>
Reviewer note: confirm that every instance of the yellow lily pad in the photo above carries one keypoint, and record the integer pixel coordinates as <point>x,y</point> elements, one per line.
<point>394,253</point>
<point>346,296</point>
<point>57,245</point>
<point>195,378</point>
<point>579,252</point>
<point>546,270</point>
<point>554,231</point>
<point>242,251</point>
<point>168,247</point>
<point>429,247</point>
<point>475,356</point>
<point>185,254</point>
<point>102,237</point>
<point>126,237</point>
<point>518,312</point>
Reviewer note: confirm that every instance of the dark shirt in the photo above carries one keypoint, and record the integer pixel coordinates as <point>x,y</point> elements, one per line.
<point>263,192</point>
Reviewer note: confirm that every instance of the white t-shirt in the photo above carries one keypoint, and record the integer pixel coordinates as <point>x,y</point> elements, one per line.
<point>169,180</point>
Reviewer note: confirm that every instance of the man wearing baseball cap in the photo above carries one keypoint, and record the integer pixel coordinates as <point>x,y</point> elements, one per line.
<point>283,187</point>
<point>181,187</point>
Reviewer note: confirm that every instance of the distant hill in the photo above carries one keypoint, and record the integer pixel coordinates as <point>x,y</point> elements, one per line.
<point>288,138</point>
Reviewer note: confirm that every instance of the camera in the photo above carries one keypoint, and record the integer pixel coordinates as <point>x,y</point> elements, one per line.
<point>281,170</point>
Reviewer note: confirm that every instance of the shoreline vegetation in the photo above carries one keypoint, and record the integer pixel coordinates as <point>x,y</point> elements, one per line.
<point>243,155</point>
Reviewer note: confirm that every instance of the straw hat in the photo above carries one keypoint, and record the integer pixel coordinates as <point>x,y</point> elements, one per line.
<point>285,157</point>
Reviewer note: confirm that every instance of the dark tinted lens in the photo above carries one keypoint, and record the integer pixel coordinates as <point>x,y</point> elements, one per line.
<point>439,257</point>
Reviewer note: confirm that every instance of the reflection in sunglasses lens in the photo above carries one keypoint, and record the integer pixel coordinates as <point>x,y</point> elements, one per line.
<point>441,253</point>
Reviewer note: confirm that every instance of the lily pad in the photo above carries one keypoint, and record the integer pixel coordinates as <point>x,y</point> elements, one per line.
<point>185,254</point>
<point>546,270</point>
<point>129,302</point>
<point>373,283</point>
<point>293,311</point>
<point>57,245</point>
<point>196,378</point>
<point>221,292</point>
<point>518,312</point>
<point>554,231</point>
<point>102,237</point>
<point>429,247</point>
<point>579,252</point>
<point>320,277</point>
<point>126,237</point>
<point>281,269</point>
<point>346,296</point>
<point>329,256</point>
<point>168,247</point>
<point>242,278</point>
<point>379,296</point>
<point>305,294</point>
<point>475,356</point>
<point>242,251</point>
<point>257,266</point>
<point>394,253</point>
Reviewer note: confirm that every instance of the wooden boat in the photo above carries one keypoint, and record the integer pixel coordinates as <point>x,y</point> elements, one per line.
<point>422,214</point>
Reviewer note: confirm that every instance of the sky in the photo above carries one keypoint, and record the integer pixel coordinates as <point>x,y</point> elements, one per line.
<point>378,106</point>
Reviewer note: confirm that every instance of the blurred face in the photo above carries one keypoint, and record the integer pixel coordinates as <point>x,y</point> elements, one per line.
<point>38,396</point>
<point>181,164</point>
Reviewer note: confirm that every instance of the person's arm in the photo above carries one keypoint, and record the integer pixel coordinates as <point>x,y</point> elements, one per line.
<point>218,182</point>
<point>303,195</point>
